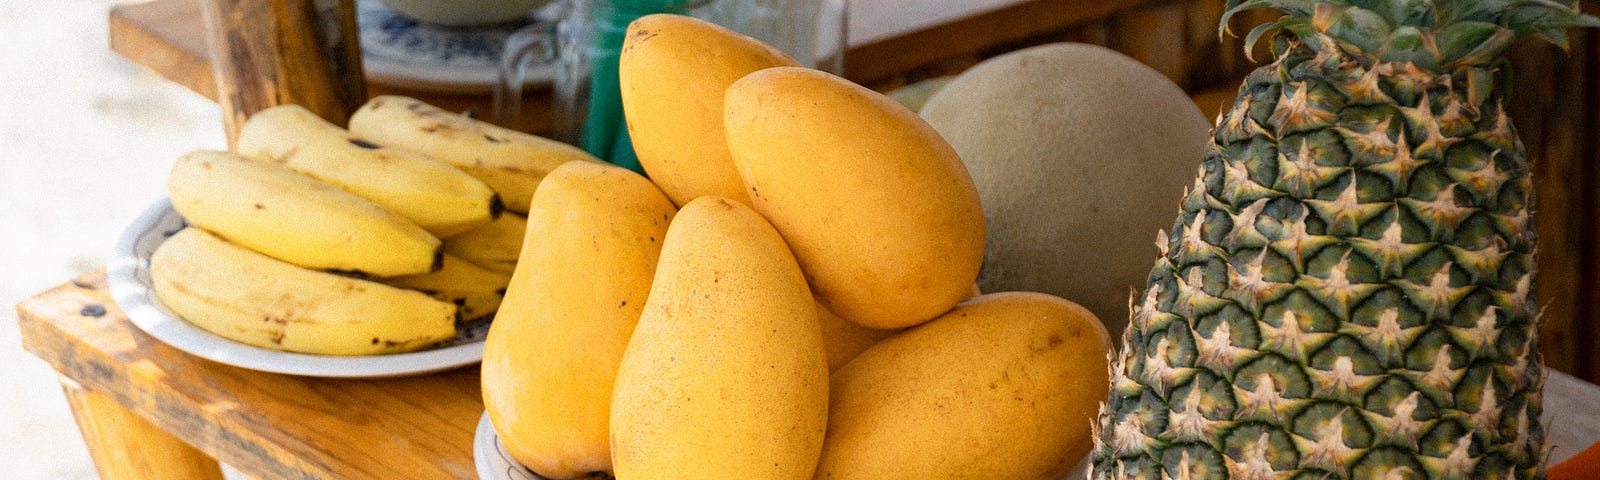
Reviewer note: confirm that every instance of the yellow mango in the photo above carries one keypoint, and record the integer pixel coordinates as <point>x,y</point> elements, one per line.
<point>878,209</point>
<point>843,339</point>
<point>1004,386</point>
<point>725,376</point>
<point>594,235</point>
<point>673,71</point>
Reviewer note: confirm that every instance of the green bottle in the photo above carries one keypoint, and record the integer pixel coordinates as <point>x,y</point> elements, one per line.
<point>605,133</point>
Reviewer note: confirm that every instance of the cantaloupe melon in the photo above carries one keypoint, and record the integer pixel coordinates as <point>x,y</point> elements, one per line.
<point>1078,153</point>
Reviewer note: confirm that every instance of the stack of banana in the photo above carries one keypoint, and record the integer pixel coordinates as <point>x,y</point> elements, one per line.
<point>378,239</point>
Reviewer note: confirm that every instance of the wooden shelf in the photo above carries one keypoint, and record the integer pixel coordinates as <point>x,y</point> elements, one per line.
<point>267,425</point>
<point>169,36</point>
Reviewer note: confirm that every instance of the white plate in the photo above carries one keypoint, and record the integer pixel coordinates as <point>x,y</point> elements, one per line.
<point>491,458</point>
<point>401,52</point>
<point>129,277</point>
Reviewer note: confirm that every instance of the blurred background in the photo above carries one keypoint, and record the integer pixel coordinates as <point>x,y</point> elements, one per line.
<point>86,139</point>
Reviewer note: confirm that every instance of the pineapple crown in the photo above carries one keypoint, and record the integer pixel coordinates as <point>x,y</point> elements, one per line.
<point>1439,35</point>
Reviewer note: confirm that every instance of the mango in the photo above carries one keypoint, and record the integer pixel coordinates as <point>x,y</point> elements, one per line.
<point>594,235</point>
<point>673,71</point>
<point>878,209</point>
<point>1004,386</point>
<point>842,339</point>
<point>725,376</point>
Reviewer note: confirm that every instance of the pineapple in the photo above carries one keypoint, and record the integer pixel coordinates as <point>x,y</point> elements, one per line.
<point>1345,292</point>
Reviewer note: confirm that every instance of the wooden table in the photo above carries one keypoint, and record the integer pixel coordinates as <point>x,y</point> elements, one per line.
<point>150,411</point>
<point>156,402</point>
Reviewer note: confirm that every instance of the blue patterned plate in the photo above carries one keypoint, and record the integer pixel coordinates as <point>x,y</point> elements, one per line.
<point>401,52</point>
<point>128,276</point>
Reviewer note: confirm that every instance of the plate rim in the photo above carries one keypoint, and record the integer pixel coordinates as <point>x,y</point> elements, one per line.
<point>442,78</point>
<point>134,296</point>
<point>486,450</point>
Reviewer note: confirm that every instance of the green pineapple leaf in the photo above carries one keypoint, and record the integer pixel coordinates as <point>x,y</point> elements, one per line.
<point>1354,26</point>
<point>1417,13</point>
<point>1557,37</point>
<point>1297,25</point>
<point>1410,44</point>
<point>1472,43</point>
<point>1534,16</point>
<point>1456,11</point>
<point>1294,8</point>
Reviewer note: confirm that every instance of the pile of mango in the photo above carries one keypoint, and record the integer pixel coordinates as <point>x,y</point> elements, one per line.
<point>788,295</point>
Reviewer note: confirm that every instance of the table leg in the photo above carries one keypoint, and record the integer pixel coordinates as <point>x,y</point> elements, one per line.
<point>125,446</point>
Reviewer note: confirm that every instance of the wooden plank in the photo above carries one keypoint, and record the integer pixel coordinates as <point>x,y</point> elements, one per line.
<point>1587,311</point>
<point>1214,101</point>
<point>1204,43</point>
<point>1546,106</point>
<point>273,52</point>
<point>266,425</point>
<point>1156,36</point>
<point>880,60</point>
<point>167,37</point>
<point>126,447</point>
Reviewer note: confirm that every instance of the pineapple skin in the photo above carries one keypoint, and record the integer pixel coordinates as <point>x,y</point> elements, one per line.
<point>1345,292</point>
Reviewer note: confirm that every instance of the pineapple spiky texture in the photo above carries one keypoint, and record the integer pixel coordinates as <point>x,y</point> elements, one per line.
<point>1346,290</point>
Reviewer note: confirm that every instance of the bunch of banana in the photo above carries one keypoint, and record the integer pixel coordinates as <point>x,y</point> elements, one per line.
<point>495,246</point>
<point>441,198</point>
<point>251,298</point>
<point>312,239</point>
<point>294,218</point>
<point>476,291</point>
<point>509,161</point>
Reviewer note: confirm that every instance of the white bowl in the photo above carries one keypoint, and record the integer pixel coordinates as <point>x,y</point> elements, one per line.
<point>465,13</point>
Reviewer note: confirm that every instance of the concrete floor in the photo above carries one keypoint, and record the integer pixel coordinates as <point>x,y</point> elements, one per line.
<point>86,138</point>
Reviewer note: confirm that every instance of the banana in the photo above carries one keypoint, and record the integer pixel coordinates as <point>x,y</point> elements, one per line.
<point>296,219</point>
<point>441,198</point>
<point>509,161</point>
<point>495,246</point>
<point>254,299</point>
<point>476,291</point>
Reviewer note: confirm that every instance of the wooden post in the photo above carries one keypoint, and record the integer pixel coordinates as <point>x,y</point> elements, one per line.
<point>1546,105</point>
<point>125,446</point>
<point>1587,366</point>
<point>272,52</point>
<point>1155,36</point>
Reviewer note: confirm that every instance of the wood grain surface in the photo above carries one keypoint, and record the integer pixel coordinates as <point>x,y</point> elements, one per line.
<point>108,429</point>
<point>267,425</point>
<point>272,52</point>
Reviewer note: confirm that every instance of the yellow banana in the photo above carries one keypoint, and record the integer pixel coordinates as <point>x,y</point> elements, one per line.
<point>297,219</point>
<point>509,161</point>
<point>495,246</point>
<point>441,198</point>
<point>254,299</point>
<point>476,291</point>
